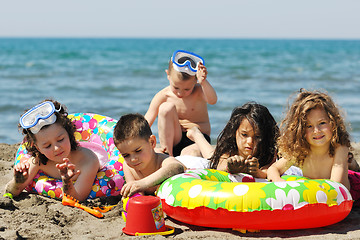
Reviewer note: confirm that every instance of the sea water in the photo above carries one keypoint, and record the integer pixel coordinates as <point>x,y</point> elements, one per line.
<point>117,76</point>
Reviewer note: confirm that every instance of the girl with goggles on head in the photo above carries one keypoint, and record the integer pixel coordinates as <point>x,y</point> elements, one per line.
<point>51,143</point>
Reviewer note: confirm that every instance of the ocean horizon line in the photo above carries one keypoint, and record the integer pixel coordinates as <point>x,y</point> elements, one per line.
<point>182,38</point>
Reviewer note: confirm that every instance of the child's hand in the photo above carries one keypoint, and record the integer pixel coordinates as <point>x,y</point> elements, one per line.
<point>201,73</point>
<point>20,177</point>
<point>21,171</point>
<point>252,165</point>
<point>67,170</point>
<point>131,188</point>
<point>236,164</point>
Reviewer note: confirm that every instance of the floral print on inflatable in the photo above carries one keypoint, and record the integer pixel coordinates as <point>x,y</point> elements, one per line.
<point>213,198</point>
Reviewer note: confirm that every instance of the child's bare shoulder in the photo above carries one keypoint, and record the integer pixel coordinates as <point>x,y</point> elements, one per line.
<point>198,91</point>
<point>342,149</point>
<point>161,157</point>
<point>163,94</point>
<point>164,91</point>
<point>85,156</point>
<point>164,158</point>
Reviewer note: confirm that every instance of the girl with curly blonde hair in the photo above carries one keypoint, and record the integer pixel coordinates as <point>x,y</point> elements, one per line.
<point>314,138</point>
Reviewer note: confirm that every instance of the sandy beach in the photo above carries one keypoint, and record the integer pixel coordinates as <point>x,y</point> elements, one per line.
<point>32,216</point>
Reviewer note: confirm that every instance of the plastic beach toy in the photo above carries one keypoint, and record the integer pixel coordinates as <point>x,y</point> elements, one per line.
<point>145,217</point>
<point>218,199</point>
<point>126,205</point>
<point>70,201</point>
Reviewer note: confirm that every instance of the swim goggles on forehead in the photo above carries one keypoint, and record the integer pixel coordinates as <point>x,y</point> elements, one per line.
<point>39,116</point>
<point>187,62</point>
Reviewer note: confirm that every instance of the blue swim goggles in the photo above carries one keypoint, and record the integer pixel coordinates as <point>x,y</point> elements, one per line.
<point>38,116</point>
<point>187,62</point>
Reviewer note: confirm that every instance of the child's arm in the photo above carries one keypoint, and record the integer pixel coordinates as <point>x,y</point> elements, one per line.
<point>275,171</point>
<point>222,165</point>
<point>24,173</point>
<point>153,110</point>
<point>170,167</point>
<point>129,177</point>
<point>209,91</point>
<point>82,187</point>
<point>339,170</point>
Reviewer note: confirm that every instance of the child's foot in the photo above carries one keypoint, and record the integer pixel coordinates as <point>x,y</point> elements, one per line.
<point>192,133</point>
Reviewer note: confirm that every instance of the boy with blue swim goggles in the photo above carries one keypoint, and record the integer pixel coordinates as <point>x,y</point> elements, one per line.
<point>186,62</point>
<point>38,117</point>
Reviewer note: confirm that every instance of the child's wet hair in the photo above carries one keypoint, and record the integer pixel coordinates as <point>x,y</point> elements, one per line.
<point>292,142</point>
<point>264,126</point>
<point>63,120</point>
<point>130,126</point>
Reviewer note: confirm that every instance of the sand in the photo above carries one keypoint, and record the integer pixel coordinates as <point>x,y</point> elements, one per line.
<point>32,216</point>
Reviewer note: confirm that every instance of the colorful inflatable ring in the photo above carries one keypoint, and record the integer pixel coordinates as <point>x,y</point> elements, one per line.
<point>95,132</point>
<point>211,198</point>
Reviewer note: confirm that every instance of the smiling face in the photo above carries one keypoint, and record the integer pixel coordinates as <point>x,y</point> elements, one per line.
<point>181,88</point>
<point>138,152</point>
<point>246,139</point>
<point>318,128</point>
<point>53,141</point>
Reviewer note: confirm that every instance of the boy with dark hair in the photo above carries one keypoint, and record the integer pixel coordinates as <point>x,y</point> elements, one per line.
<point>144,169</point>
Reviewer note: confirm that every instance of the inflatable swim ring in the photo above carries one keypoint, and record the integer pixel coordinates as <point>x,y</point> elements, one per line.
<point>95,132</point>
<point>211,198</point>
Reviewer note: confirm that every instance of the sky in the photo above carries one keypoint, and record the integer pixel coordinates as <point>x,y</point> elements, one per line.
<point>299,19</point>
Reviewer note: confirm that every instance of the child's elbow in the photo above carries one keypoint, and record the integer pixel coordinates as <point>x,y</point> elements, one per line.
<point>179,168</point>
<point>211,98</point>
<point>12,189</point>
<point>212,101</point>
<point>269,174</point>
